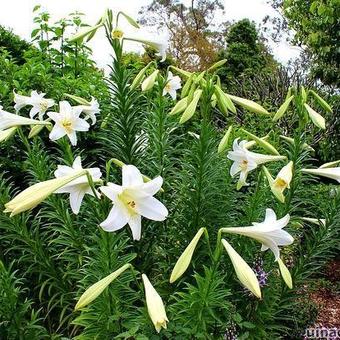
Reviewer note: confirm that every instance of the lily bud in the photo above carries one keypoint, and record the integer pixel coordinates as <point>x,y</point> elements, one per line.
<point>77,99</point>
<point>81,35</point>
<point>314,220</point>
<point>303,94</point>
<point>217,64</point>
<point>244,273</point>
<point>181,72</point>
<point>35,130</point>
<point>291,141</point>
<point>187,86</point>
<point>262,142</point>
<point>330,165</point>
<point>140,76</point>
<point>321,101</point>
<point>283,108</point>
<point>184,260</point>
<point>6,134</point>
<point>191,108</point>
<point>224,100</point>
<point>149,82</point>
<point>287,278</point>
<point>213,100</point>
<point>224,141</point>
<point>249,105</point>
<point>316,118</point>
<point>251,143</point>
<point>155,305</point>
<point>180,106</point>
<point>35,194</point>
<point>96,289</point>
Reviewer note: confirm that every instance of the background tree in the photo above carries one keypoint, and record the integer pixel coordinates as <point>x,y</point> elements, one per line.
<point>195,36</point>
<point>317,27</point>
<point>245,52</point>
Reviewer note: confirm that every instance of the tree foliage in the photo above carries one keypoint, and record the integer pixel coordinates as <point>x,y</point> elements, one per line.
<point>245,52</point>
<point>317,26</point>
<point>195,36</point>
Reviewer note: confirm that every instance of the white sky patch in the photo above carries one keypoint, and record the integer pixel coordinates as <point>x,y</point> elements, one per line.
<point>17,14</point>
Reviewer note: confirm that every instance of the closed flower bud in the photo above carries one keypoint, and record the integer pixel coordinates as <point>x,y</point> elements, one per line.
<point>149,82</point>
<point>283,108</point>
<point>316,118</point>
<point>287,278</point>
<point>224,101</point>
<point>225,140</point>
<point>303,94</point>
<point>249,105</point>
<point>262,142</point>
<point>140,76</point>
<point>217,64</point>
<point>96,289</point>
<point>184,260</point>
<point>6,134</point>
<point>191,108</point>
<point>155,305</point>
<point>86,32</point>
<point>321,101</point>
<point>35,194</point>
<point>180,106</point>
<point>244,273</point>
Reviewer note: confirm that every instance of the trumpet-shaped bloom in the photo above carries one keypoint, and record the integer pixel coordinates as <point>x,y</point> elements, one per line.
<point>269,232</point>
<point>246,161</point>
<point>39,104</point>
<point>173,84</point>
<point>333,173</point>
<point>67,122</point>
<point>35,194</point>
<point>160,44</point>
<point>9,120</point>
<point>281,182</point>
<point>91,110</point>
<point>155,305</point>
<point>80,186</point>
<point>133,200</point>
<point>244,273</point>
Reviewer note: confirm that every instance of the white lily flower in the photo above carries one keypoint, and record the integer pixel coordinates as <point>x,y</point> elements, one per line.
<point>91,110</point>
<point>160,43</point>
<point>172,85</point>
<point>67,122</point>
<point>9,120</point>
<point>133,200</point>
<point>281,182</point>
<point>246,161</point>
<point>269,232</point>
<point>333,173</point>
<point>39,104</point>
<point>155,305</point>
<point>80,186</point>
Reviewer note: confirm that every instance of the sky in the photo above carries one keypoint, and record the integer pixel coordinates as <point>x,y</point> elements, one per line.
<point>17,14</point>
